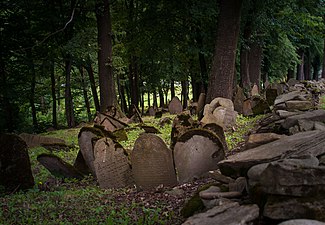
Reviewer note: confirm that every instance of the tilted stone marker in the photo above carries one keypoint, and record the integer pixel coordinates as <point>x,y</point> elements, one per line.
<point>112,166</point>
<point>196,152</point>
<point>152,163</point>
<point>15,168</point>
<point>58,167</point>
<point>87,138</point>
<point>175,106</point>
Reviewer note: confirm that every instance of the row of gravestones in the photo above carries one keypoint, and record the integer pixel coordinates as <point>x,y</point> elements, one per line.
<point>151,163</point>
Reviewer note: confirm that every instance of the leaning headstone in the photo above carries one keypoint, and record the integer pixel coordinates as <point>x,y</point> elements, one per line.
<point>225,117</point>
<point>33,140</point>
<point>152,163</point>
<point>58,167</point>
<point>15,168</point>
<point>112,166</point>
<point>151,111</point>
<point>81,165</point>
<point>200,104</point>
<point>247,108</point>
<point>196,152</point>
<point>87,138</point>
<point>175,106</point>
<point>217,130</point>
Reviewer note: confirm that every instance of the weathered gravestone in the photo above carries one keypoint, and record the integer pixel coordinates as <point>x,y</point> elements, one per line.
<point>175,106</point>
<point>33,140</point>
<point>196,152</point>
<point>152,163</point>
<point>151,111</point>
<point>80,164</point>
<point>87,138</point>
<point>58,167</point>
<point>255,90</point>
<point>112,166</point>
<point>239,100</point>
<point>15,168</point>
<point>109,122</point>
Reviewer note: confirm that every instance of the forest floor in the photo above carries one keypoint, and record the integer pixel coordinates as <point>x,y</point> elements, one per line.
<point>63,201</point>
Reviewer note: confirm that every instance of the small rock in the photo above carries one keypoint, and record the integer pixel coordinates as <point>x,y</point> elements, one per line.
<point>302,222</point>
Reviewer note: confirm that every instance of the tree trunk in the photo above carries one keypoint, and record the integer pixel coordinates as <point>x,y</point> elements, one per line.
<point>31,66</point>
<point>323,69</point>
<point>68,97</point>
<point>300,67</point>
<point>121,90</point>
<point>290,74</point>
<point>307,66</point>
<point>149,99</point>
<point>223,64</point>
<point>84,90</point>
<point>91,76</point>
<point>134,82</point>
<point>53,91</point>
<point>184,93</point>
<point>203,66</point>
<point>316,66</point>
<point>155,104</point>
<point>244,69</point>
<point>161,97</point>
<point>172,89</point>
<point>105,67</point>
<point>255,64</point>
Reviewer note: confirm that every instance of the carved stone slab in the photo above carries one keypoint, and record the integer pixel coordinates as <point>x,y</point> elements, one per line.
<point>175,106</point>
<point>152,163</point>
<point>112,166</point>
<point>197,152</point>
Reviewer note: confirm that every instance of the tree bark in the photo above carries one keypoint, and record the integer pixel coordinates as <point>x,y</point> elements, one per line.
<point>244,68</point>
<point>203,66</point>
<point>68,97</point>
<point>31,66</point>
<point>316,66</point>
<point>184,93</point>
<point>155,104</point>
<point>300,67</point>
<point>121,90</point>
<point>323,69</point>
<point>105,67</point>
<point>172,89</point>
<point>255,64</point>
<point>134,82</point>
<point>84,91</point>
<point>149,99</point>
<point>91,76</point>
<point>53,91</point>
<point>290,74</point>
<point>223,64</point>
<point>161,97</point>
<point>307,66</point>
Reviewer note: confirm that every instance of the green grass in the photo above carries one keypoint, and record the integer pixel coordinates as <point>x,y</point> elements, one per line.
<point>57,201</point>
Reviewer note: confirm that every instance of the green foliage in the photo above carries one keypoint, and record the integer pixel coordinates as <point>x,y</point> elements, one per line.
<point>322,102</point>
<point>244,126</point>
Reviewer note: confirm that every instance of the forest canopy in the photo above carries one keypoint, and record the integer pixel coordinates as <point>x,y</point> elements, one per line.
<point>61,61</point>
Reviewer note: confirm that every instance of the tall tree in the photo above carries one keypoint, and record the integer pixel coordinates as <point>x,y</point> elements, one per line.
<point>105,67</point>
<point>223,64</point>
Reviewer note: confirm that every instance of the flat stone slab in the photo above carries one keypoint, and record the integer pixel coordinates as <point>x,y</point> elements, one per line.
<point>33,140</point>
<point>310,142</point>
<point>230,213</point>
<point>316,115</point>
<point>286,97</point>
<point>287,208</point>
<point>302,222</point>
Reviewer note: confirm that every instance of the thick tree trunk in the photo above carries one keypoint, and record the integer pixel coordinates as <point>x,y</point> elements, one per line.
<point>53,91</point>
<point>196,88</point>
<point>172,89</point>
<point>203,66</point>
<point>105,67</point>
<point>92,82</point>
<point>68,97</point>
<point>223,64</point>
<point>300,67</point>
<point>84,90</point>
<point>255,64</point>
